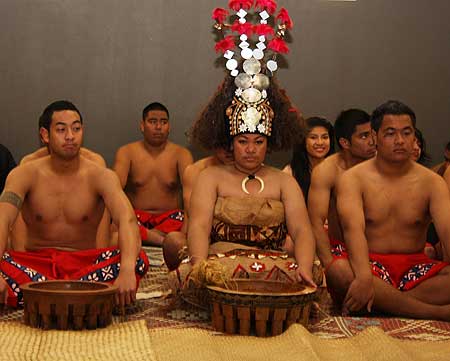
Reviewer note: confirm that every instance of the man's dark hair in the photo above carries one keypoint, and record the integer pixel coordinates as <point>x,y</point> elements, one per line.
<point>45,119</point>
<point>154,106</point>
<point>447,147</point>
<point>346,122</point>
<point>391,107</point>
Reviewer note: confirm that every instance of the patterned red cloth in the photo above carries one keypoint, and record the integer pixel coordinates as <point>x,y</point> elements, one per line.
<point>401,270</point>
<point>170,221</point>
<point>101,265</point>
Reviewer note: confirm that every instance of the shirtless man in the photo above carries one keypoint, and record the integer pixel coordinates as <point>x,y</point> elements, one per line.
<point>19,231</point>
<point>385,206</point>
<point>354,138</point>
<point>150,170</point>
<point>175,241</point>
<point>62,197</point>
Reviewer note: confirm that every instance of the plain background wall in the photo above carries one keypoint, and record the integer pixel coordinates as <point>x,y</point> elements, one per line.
<point>112,57</point>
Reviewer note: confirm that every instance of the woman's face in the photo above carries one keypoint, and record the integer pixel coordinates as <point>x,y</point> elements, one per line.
<point>249,150</point>
<point>318,142</point>
<point>417,151</point>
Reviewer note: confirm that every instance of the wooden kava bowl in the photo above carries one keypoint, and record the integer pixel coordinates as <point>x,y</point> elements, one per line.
<point>67,305</point>
<point>263,308</point>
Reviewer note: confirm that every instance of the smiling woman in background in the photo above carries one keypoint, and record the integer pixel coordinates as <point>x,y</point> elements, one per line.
<point>419,153</point>
<point>318,144</point>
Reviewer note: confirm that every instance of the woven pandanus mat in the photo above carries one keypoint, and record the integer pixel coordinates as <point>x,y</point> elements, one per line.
<point>124,341</point>
<point>294,344</point>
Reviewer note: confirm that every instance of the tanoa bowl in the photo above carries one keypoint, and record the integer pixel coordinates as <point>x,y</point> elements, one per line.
<point>259,307</point>
<point>64,305</point>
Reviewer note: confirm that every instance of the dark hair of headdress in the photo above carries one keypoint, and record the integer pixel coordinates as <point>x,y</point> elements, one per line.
<point>211,130</point>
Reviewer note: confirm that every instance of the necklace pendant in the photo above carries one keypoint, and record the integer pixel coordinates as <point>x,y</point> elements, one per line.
<point>251,177</point>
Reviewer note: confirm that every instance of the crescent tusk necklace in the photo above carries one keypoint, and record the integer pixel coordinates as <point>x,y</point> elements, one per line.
<point>249,178</point>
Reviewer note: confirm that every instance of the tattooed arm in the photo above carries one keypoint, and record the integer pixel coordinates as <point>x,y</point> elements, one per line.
<point>16,187</point>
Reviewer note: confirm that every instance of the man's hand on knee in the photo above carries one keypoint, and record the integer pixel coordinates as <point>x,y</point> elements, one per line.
<point>360,294</point>
<point>126,283</point>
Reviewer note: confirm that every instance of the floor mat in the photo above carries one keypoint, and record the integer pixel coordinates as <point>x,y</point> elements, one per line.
<point>125,341</point>
<point>162,310</point>
<point>294,344</point>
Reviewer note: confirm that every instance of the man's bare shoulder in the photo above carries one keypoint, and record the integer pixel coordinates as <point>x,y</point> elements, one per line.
<point>427,175</point>
<point>328,171</point>
<point>429,182</point>
<point>126,153</point>
<point>193,170</point>
<point>178,150</point>
<point>130,147</point>
<point>41,152</point>
<point>27,173</point>
<point>95,170</point>
<point>358,174</point>
<point>201,164</point>
<point>362,168</point>
<point>92,156</point>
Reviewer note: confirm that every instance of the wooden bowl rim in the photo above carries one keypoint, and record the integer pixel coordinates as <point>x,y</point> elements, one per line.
<point>28,288</point>
<point>306,291</point>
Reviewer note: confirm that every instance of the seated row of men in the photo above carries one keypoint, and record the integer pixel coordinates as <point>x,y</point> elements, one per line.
<point>378,212</point>
<point>380,207</point>
<point>57,206</point>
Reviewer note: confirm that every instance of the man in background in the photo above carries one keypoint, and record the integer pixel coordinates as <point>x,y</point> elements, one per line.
<point>151,171</point>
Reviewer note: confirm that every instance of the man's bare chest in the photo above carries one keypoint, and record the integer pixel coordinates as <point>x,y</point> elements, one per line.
<point>400,204</point>
<point>146,172</point>
<point>69,203</point>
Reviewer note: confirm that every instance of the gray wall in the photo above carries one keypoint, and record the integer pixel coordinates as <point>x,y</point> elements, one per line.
<point>112,57</point>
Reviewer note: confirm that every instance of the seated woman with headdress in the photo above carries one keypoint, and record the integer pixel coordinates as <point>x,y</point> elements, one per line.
<point>241,213</point>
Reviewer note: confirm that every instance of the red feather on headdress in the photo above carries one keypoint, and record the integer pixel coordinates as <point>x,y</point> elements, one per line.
<point>278,45</point>
<point>225,44</point>
<point>219,15</point>
<point>263,29</point>
<point>236,5</point>
<point>269,5</point>
<point>245,28</point>
<point>284,17</point>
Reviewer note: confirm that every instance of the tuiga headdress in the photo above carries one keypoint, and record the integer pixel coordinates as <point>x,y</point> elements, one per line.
<point>250,110</point>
